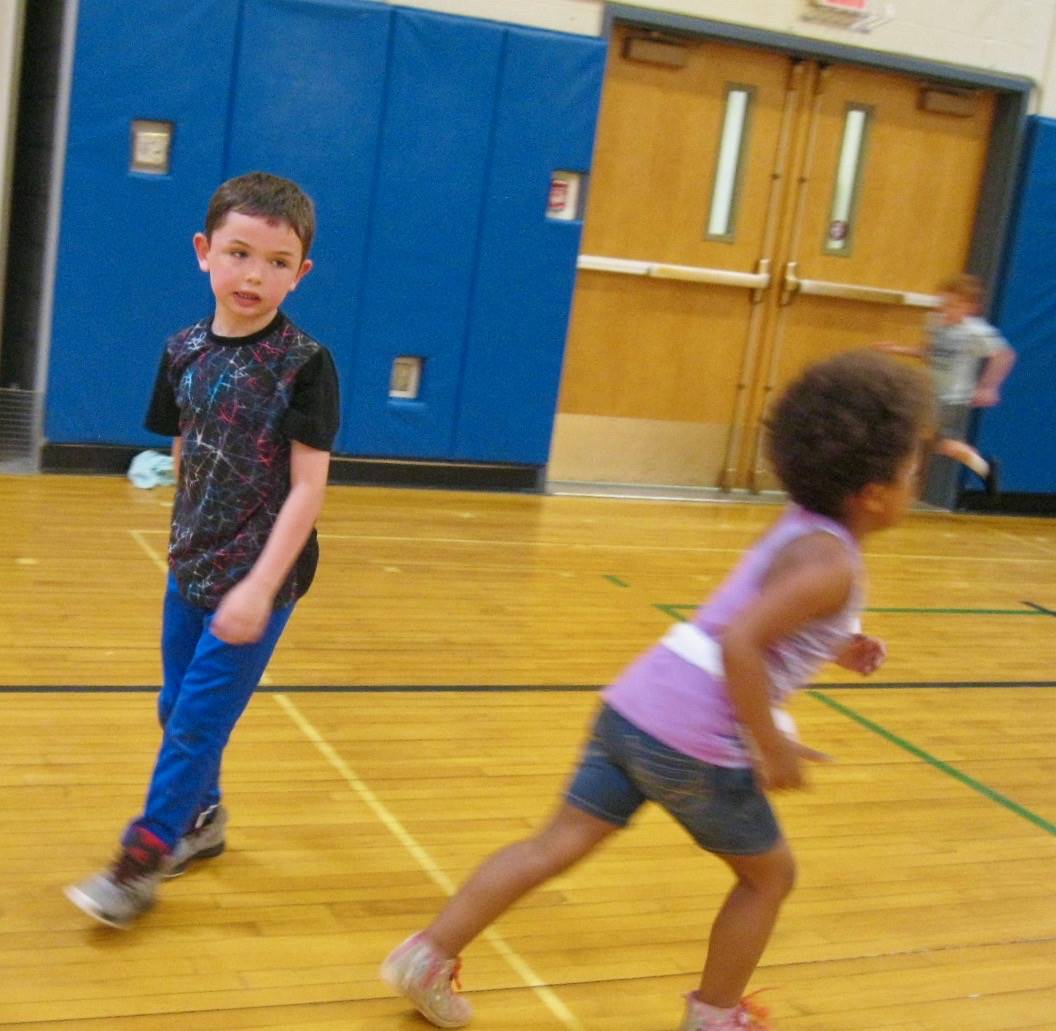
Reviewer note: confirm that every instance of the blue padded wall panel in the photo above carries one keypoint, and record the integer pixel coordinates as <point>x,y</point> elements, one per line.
<point>416,291</point>
<point>548,104</point>
<point>1021,431</point>
<point>307,104</point>
<point>427,142</point>
<point>126,275</point>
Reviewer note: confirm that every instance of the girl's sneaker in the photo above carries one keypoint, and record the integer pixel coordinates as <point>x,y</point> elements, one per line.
<point>204,841</point>
<point>748,1016</point>
<point>421,974</point>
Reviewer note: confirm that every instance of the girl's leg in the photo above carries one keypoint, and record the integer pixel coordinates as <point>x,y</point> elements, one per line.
<point>743,925</point>
<point>512,872</point>
<point>215,691</point>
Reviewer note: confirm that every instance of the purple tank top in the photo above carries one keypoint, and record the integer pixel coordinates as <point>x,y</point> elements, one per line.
<point>676,691</point>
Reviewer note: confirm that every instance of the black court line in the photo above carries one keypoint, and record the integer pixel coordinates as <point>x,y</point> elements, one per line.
<point>858,685</point>
<point>1040,608</point>
<point>317,689</point>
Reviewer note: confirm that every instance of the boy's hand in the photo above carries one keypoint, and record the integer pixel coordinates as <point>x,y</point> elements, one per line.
<point>985,397</point>
<point>243,614</point>
<point>863,655</point>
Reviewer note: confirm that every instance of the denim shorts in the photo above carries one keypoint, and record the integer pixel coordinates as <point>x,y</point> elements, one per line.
<point>723,809</point>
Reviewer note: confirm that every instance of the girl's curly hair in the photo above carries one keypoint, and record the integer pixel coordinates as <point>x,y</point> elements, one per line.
<point>844,423</point>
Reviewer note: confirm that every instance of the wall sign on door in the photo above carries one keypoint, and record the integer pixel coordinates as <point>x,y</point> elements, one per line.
<point>855,15</point>
<point>856,6</point>
<point>563,201</point>
<point>151,146</point>
<point>406,377</point>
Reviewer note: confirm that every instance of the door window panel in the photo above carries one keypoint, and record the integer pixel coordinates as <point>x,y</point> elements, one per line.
<point>729,165</point>
<point>848,179</point>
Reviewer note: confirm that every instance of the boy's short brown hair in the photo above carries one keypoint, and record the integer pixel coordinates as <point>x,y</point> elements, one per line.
<point>966,286</point>
<point>267,196</point>
<point>845,423</point>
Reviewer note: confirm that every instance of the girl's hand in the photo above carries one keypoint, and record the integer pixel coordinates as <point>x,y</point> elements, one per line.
<point>781,769</point>
<point>863,655</point>
<point>243,614</point>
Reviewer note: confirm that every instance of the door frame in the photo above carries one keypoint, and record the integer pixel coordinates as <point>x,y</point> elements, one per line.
<point>1007,136</point>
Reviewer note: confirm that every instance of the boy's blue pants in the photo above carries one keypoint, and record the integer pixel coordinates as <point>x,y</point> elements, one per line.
<point>208,685</point>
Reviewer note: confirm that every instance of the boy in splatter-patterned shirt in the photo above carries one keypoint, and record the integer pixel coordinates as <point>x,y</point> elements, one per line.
<point>252,404</point>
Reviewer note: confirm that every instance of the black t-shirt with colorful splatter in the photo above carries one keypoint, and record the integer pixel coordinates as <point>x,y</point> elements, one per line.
<point>238,403</point>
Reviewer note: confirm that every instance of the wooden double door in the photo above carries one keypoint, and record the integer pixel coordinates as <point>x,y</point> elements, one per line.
<point>749,213</point>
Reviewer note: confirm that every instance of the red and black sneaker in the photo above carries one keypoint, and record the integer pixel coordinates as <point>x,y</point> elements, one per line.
<point>117,895</point>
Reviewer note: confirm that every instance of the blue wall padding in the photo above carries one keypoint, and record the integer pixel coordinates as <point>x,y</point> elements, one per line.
<point>126,274</point>
<point>308,104</point>
<point>415,300</point>
<point>427,142</point>
<point>547,109</point>
<point>1021,431</point>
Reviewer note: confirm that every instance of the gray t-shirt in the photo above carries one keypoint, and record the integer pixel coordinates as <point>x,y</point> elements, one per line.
<point>955,355</point>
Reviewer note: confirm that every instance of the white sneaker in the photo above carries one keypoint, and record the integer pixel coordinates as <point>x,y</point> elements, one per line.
<point>204,841</point>
<point>748,1016</point>
<point>420,973</point>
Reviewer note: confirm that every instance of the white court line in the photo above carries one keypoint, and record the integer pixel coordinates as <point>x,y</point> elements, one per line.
<point>1049,549</point>
<point>546,995</point>
<point>699,550</point>
<point>137,536</point>
<point>592,546</point>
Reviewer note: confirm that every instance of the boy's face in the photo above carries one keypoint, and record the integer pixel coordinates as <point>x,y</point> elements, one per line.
<point>955,308</point>
<point>253,263</point>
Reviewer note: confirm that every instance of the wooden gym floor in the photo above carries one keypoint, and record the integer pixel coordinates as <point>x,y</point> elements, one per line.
<point>425,707</point>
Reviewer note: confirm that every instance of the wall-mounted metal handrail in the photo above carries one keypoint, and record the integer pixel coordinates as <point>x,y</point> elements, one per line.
<point>852,291</point>
<point>685,273</point>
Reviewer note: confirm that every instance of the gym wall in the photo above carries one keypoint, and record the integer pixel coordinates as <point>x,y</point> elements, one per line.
<point>428,143</point>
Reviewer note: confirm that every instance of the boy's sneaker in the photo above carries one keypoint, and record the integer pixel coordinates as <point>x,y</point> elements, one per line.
<point>992,480</point>
<point>419,972</point>
<point>748,1016</point>
<point>118,895</point>
<point>204,841</point>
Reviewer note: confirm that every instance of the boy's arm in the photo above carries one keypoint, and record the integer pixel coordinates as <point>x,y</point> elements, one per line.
<point>909,350</point>
<point>816,584</point>
<point>245,609</point>
<point>998,366</point>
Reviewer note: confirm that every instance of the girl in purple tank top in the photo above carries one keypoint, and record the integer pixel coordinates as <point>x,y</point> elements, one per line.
<point>695,723</point>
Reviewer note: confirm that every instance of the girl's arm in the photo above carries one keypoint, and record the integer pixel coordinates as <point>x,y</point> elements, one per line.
<point>863,654</point>
<point>811,579</point>
<point>245,609</point>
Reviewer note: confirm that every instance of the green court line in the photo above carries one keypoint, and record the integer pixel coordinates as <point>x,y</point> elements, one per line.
<point>931,760</point>
<point>615,579</point>
<point>674,611</point>
<point>967,612</point>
